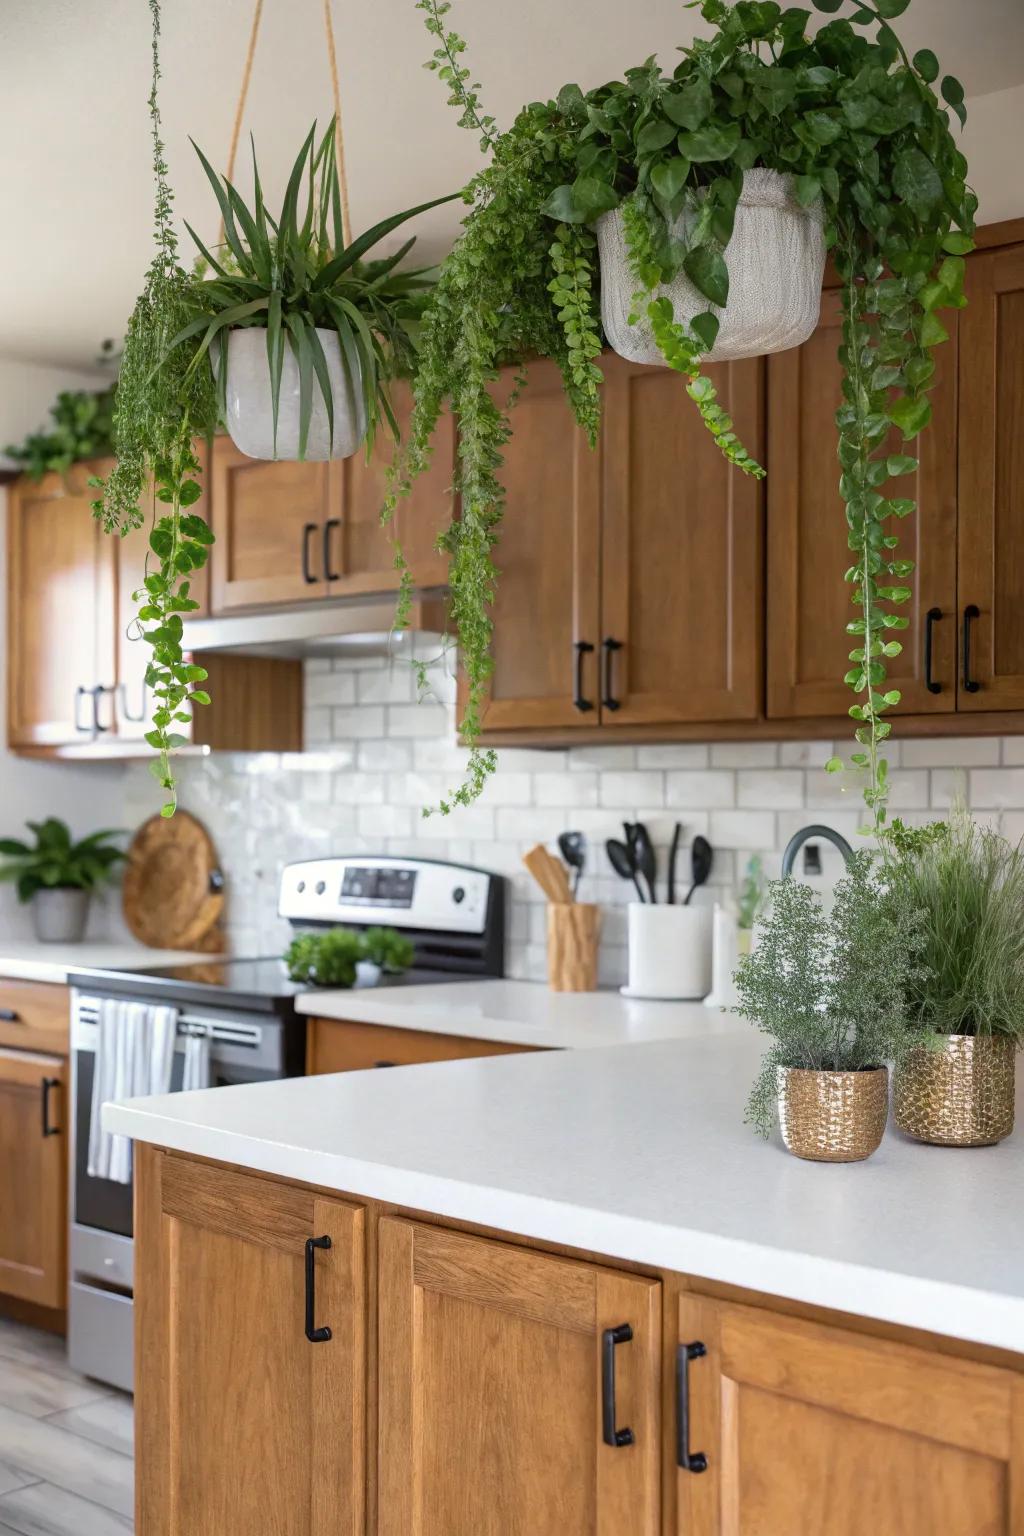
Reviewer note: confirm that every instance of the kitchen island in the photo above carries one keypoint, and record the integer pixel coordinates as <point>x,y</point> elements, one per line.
<point>533,1255</point>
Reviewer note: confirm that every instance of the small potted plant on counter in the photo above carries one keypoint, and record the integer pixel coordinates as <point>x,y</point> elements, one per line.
<point>749,903</point>
<point>956,1087</point>
<point>57,877</point>
<point>831,990</point>
<point>341,957</point>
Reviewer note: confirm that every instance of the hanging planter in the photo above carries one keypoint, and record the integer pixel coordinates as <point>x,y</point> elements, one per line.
<point>776,264</point>
<point>249,404</point>
<point>645,186</point>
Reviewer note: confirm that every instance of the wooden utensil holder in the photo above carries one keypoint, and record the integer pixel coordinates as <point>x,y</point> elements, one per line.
<point>573,931</point>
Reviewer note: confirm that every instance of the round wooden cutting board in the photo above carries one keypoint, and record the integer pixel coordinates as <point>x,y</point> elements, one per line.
<point>173,890</point>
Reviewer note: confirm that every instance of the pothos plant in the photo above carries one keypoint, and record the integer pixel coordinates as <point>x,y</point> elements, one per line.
<point>857,125</point>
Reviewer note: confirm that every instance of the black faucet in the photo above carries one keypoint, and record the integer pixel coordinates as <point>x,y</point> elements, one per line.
<point>805,834</point>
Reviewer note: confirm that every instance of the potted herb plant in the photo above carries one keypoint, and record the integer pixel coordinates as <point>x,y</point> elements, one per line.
<point>966,1007</point>
<point>338,957</point>
<point>750,902</point>
<point>57,876</point>
<point>831,990</point>
<point>840,123</point>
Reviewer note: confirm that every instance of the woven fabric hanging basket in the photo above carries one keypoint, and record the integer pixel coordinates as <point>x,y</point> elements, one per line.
<point>776,260</point>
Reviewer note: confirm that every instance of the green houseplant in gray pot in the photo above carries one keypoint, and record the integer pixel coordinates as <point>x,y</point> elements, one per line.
<point>966,1006</point>
<point>830,989</point>
<point>57,876</point>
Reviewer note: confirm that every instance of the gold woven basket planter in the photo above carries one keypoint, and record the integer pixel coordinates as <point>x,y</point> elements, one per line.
<point>832,1117</point>
<point>960,1095</point>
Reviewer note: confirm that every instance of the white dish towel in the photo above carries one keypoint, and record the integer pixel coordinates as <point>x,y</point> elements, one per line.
<point>196,1065</point>
<point>134,1057</point>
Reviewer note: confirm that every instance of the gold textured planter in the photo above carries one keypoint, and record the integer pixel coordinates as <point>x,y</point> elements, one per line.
<point>832,1117</point>
<point>960,1095</point>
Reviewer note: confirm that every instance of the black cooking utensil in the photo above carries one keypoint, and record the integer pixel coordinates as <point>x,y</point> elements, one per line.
<point>573,848</point>
<point>701,859</point>
<point>645,858</point>
<point>620,856</point>
<point>673,856</point>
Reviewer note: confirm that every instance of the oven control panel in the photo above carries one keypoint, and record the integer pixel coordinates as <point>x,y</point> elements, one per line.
<point>397,893</point>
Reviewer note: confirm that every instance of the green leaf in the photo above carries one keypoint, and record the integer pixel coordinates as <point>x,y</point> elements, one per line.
<point>916,181</point>
<point>653,137</point>
<point>890,9</point>
<point>275,357</point>
<point>828,6</point>
<point>834,765</point>
<point>775,88</point>
<point>304,356</point>
<point>910,415</point>
<point>957,244</point>
<point>689,107</point>
<point>953,93</point>
<point>807,189</point>
<point>933,332</point>
<point>323,377</point>
<point>900,464</point>
<point>926,64</point>
<point>668,177</point>
<point>352,253</point>
<point>705,328</point>
<point>593,196</point>
<point>711,143</point>
<point>707,270</point>
<point>822,127</point>
<point>561,205</point>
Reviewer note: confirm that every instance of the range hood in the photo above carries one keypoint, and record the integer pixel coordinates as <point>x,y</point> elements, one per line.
<point>360,626</point>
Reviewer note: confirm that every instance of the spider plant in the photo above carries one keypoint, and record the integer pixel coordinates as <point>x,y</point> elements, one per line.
<point>295,275</point>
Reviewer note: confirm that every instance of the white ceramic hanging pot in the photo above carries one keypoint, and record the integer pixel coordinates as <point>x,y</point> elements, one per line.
<point>776,261</point>
<point>249,410</point>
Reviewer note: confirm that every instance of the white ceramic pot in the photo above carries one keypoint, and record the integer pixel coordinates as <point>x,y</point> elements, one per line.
<point>59,916</point>
<point>776,261</point>
<point>669,951</point>
<point>249,407</point>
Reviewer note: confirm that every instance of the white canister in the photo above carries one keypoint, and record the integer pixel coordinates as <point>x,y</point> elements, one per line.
<point>669,952</point>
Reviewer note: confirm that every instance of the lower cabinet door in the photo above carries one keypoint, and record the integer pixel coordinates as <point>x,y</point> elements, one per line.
<point>807,1430</point>
<point>33,1178</point>
<point>503,1375</point>
<point>244,1424</point>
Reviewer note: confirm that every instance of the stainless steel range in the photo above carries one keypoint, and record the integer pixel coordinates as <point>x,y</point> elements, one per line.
<point>455,916</point>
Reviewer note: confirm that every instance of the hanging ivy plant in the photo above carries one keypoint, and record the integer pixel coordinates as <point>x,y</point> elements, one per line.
<point>858,127</point>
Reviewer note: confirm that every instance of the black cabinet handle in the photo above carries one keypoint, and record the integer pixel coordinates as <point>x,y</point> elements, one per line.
<point>582,648</point>
<point>608,699</point>
<point>609,1339</point>
<point>314,1334</point>
<point>307,533</point>
<point>80,694</point>
<point>46,1085</point>
<point>329,526</point>
<point>931,618</point>
<point>9,1016</point>
<point>972,611</point>
<point>690,1461</point>
<point>121,699</point>
<point>97,694</point>
<point>385,1063</point>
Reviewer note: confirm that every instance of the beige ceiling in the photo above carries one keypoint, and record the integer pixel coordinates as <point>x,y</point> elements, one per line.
<point>75,190</point>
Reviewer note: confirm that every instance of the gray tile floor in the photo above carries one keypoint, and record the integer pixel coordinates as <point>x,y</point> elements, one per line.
<point>65,1444</point>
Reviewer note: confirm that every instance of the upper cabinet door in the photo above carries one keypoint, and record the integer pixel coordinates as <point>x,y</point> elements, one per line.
<point>491,1365</point>
<point>808,600</point>
<point>359,553</point>
<point>681,551</point>
<point>809,1429</point>
<point>546,606</point>
<point>244,1424</point>
<point>270,523</point>
<point>60,593</point>
<point>33,1173</point>
<point>991,483</point>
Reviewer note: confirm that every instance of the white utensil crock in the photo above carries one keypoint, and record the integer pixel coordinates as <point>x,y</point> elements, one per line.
<point>669,951</point>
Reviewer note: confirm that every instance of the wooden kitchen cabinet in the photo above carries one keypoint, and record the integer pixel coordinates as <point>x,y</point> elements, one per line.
<point>630,574</point>
<point>243,1424</point>
<point>991,482</point>
<point>808,601</point>
<point>489,1397</point>
<point>809,1429</point>
<point>60,585</point>
<point>336,1045</point>
<point>33,1177</point>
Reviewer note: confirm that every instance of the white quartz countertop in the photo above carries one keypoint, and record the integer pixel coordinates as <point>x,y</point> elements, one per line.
<point>640,1152</point>
<point>519,1013</point>
<point>32,961</point>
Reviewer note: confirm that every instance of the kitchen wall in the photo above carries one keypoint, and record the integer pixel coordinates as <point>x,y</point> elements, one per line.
<point>375,757</point>
<point>86,797</point>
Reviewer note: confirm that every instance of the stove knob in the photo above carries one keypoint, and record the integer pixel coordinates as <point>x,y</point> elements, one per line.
<point>321,886</point>
<point>301,887</point>
<point>458,895</point>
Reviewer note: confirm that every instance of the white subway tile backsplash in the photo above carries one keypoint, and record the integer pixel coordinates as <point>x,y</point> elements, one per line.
<point>602,758</point>
<point>996,787</point>
<point>631,789</point>
<point>384,756</point>
<point>680,754</point>
<point>700,789</point>
<point>357,721</point>
<point>776,788</point>
<point>742,829</point>
<point>390,684</point>
<point>330,688</point>
<point>950,752</point>
<point>744,754</point>
<point>572,790</point>
<point>425,719</point>
<point>1012,753</point>
<point>804,754</point>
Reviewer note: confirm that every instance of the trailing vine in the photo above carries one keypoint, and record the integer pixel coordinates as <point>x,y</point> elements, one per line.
<point>855,123</point>
<point>162,405</point>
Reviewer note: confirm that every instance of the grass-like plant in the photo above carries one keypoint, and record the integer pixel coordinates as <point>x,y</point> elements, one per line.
<point>329,959</point>
<point>968,881</point>
<point>53,862</point>
<point>295,274</point>
<point>831,989</point>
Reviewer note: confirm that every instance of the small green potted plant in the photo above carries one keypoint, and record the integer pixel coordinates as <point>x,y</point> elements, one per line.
<point>339,957</point>
<point>749,903</point>
<point>57,876</point>
<point>966,1007</point>
<point>831,990</point>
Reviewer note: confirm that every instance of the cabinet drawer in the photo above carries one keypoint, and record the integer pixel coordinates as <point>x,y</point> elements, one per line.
<point>34,1015</point>
<point>334,1045</point>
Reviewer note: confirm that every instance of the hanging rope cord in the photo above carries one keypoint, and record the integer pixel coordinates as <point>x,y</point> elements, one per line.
<point>339,138</point>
